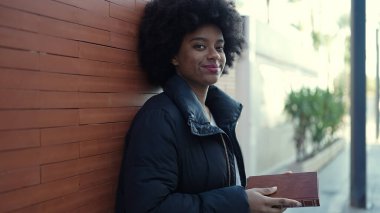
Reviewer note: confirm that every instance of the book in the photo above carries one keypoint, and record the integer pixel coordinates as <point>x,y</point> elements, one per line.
<point>302,187</point>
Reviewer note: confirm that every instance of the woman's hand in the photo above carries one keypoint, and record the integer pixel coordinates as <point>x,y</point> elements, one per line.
<point>259,202</point>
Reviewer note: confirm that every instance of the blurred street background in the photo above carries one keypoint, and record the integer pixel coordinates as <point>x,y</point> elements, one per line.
<point>298,44</point>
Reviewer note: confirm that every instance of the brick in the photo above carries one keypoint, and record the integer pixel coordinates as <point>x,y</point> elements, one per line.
<point>58,100</point>
<point>128,99</point>
<point>102,161</point>
<point>130,4</point>
<point>67,203</point>
<point>93,20</point>
<point>58,153</point>
<point>19,20</point>
<point>19,139</point>
<point>19,79</point>
<point>14,179</point>
<point>91,116</point>
<point>94,100</point>
<point>45,8</point>
<point>56,27</point>
<point>32,41</point>
<point>95,68</point>
<point>108,54</point>
<point>11,160</point>
<point>59,11</point>
<point>101,205</point>
<point>124,13</point>
<point>29,209</point>
<point>58,46</point>
<point>59,64</point>
<point>98,177</point>
<point>19,39</point>
<point>106,69</point>
<point>122,27</point>
<point>18,99</point>
<point>73,31</point>
<point>97,6</point>
<point>20,119</point>
<point>58,82</point>
<point>100,146</point>
<point>18,59</point>
<point>123,42</point>
<point>25,99</point>
<point>104,190</point>
<point>60,170</point>
<point>102,84</point>
<point>74,201</point>
<point>81,133</point>
<point>101,100</point>
<point>32,157</point>
<point>73,134</point>
<point>105,84</point>
<point>130,71</point>
<point>27,196</point>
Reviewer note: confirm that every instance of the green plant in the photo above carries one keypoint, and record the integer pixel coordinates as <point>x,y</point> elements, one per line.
<point>297,106</point>
<point>315,112</point>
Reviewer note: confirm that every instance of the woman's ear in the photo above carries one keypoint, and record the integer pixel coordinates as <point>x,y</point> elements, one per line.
<point>174,61</point>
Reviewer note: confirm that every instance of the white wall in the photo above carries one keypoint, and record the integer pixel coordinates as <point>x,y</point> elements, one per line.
<point>274,63</point>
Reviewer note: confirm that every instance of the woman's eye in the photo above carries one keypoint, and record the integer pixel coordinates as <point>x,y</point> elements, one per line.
<point>199,46</point>
<point>220,49</point>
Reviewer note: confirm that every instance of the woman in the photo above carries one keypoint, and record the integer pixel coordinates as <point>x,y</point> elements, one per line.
<point>181,151</point>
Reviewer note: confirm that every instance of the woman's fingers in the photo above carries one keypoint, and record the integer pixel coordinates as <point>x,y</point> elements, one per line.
<point>259,201</point>
<point>277,202</point>
<point>284,202</point>
<point>266,191</point>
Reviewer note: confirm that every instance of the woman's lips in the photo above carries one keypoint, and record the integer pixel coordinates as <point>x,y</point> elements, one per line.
<point>212,68</point>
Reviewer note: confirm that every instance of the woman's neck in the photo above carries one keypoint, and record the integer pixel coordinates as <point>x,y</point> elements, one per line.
<point>199,90</point>
<point>202,95</point>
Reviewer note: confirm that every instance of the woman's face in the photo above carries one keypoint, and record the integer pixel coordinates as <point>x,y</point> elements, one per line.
<point>201,59</point>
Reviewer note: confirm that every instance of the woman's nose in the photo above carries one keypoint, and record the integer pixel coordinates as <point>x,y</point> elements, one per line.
<point>214,54</point>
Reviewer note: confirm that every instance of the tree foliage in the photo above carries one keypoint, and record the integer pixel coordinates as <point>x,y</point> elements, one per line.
<point>315,112</point>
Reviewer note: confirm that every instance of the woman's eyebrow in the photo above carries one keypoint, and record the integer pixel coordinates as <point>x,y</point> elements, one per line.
<point>205,39</point>
<point>198,38</point>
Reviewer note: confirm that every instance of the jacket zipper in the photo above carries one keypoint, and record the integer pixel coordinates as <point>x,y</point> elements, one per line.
<point>227,159</point>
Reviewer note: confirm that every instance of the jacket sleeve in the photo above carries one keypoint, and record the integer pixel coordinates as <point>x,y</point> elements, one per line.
<point>150,174</point>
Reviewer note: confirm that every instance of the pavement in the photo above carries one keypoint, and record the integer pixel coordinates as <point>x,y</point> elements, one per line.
<point>334,184</point>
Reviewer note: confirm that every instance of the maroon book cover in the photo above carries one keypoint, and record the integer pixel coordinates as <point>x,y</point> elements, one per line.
<point>302,187</point>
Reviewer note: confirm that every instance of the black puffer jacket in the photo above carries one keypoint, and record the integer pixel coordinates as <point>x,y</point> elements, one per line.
<point>175,161</point>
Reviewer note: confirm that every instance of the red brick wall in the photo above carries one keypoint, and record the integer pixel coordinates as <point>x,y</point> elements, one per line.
<point>69,87</point>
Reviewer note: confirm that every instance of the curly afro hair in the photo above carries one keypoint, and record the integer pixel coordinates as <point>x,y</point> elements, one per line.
<point>166,22</point>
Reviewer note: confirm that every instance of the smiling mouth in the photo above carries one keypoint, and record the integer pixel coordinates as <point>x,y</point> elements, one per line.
<point>212,68</point>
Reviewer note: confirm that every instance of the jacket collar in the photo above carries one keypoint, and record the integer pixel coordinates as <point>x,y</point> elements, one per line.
<point>224,109</point>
